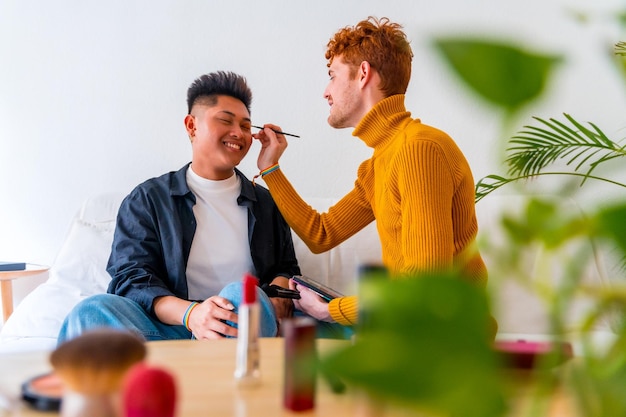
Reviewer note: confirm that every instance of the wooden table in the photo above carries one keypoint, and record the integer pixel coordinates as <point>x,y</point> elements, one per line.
<point>6,285</point>
<point>206,387</point>
<point>204,373</point>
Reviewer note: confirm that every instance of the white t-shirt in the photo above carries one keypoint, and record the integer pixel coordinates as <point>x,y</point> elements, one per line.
<point>220,252</point>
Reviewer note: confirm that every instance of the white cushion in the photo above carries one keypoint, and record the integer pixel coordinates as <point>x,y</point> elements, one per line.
<point>101,208</point>
<point>78,272</point>
<point>41,313</point>
<point>82,260</point>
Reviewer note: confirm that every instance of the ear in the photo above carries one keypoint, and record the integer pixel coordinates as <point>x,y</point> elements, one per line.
<point>364,73</point>
<point>190,125</point>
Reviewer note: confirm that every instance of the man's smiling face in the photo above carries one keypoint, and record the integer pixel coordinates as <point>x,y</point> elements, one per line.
<point>220,137</point>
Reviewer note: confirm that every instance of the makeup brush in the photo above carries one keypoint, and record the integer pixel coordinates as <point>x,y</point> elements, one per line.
<point>277,131</point>
<point>92,367</point>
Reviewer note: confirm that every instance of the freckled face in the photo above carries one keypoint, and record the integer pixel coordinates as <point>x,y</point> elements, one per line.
<point>343,95</point>
<point>220,137</point>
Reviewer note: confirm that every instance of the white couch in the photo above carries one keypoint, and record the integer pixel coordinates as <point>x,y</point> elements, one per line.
<point>79,271</point>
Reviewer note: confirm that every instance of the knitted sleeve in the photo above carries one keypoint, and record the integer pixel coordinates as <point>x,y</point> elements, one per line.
<point>320,232</point>
<point>344,310</point>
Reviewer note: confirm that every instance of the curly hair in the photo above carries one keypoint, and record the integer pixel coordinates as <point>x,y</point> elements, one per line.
<point>207,87</point>
<point>381,43</point>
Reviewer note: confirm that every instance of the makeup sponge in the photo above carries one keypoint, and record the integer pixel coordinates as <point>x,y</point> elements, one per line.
<point>148,391</point>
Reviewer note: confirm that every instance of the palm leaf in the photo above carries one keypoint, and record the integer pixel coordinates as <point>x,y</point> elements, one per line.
<point>536,147</point>
<point>488,184</point>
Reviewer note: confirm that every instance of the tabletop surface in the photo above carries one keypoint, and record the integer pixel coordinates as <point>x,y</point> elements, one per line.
<point>204,373</point>
<point>206,386</point>
<point>31,269</point>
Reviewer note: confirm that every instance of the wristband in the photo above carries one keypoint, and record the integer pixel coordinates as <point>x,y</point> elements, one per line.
<point>265,172</point>
<point>269,169</point>
<point>187,314</point>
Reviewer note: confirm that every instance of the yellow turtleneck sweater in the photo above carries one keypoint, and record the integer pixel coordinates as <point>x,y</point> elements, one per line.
<point>418,187</point>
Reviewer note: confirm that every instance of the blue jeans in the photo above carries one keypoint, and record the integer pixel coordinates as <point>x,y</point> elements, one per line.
<point>109,310</point>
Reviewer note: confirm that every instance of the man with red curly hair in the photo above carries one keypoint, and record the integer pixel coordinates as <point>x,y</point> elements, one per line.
<point>417,185</point>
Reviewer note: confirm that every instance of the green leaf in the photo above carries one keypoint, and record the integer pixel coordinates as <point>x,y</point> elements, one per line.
<point>534,148</point>
<point>503,74</point>
<point>488,184</point>
<point>425,344</point>
<point>620,59</point>
<point>545,221</point>
<point>610,223</point>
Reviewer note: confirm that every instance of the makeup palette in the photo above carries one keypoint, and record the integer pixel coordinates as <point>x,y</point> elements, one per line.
<point>44,392</point>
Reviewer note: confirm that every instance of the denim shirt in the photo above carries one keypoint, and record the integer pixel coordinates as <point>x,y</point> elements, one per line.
<point>155,228</point>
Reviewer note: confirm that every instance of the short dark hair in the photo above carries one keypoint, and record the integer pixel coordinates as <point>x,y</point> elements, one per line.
<point>221,83</point>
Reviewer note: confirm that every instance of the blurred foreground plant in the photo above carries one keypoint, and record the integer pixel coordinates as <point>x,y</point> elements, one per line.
<point>424,343</point>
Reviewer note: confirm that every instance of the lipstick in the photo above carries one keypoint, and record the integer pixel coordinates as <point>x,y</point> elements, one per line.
<point>247,372</point>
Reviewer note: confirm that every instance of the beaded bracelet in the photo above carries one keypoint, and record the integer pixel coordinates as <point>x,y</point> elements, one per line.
<point>265,172</point>
<point>187,314</point>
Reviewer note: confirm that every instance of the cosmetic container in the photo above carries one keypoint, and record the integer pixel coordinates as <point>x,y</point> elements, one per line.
<point>300,364</point>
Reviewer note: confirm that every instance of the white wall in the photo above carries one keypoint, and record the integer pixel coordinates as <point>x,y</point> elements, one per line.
<point>92,93</point>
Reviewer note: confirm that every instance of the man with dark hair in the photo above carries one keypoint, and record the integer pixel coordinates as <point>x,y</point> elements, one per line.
<point>206,88</point>
<point>184,240</point>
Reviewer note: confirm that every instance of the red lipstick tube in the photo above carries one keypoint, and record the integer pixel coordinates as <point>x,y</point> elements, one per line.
<point>247,371</point>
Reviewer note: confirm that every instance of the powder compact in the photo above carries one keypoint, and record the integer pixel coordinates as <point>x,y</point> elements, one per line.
<point>44,392</point>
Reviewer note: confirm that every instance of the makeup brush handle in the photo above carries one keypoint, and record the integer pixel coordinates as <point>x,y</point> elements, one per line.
<point>76,404</point>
